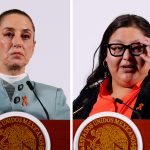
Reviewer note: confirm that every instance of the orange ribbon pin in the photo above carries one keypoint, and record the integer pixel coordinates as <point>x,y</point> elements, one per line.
<point>25,101</point>
<point>140,106</point>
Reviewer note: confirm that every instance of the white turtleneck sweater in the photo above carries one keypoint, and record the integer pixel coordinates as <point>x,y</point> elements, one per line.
<point>12,79</point>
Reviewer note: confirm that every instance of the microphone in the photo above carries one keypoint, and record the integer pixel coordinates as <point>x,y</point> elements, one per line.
<point>83,105</point>
<point>32,89</point>
<point>96,84</point>
<point>121,102</point>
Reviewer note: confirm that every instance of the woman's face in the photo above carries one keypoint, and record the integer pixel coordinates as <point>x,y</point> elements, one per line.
<point>127,70</point>
<point>16,42</point>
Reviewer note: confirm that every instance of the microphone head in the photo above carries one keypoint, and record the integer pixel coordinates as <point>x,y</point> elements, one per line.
<point>30,85</point>
<point>118,101</point>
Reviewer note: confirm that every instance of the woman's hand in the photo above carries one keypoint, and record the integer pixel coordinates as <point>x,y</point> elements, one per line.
<point>146,56</point>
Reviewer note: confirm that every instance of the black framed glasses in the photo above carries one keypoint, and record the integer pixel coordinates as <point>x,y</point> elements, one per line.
<point>118,50</point>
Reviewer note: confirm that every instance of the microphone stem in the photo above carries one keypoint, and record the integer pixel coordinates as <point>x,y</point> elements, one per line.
<point>128,106</point>
<point>74,113</point>
<point>138,114</point>
<point>41,105</point>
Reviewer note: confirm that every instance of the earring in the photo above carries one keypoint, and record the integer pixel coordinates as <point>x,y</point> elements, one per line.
<point>105,64</point>
<point>106,72</point>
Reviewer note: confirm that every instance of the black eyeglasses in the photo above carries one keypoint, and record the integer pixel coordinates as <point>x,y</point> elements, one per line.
<point>117,50</point>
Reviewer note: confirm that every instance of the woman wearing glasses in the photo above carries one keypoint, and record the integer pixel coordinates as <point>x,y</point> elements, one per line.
<point>120,83</point>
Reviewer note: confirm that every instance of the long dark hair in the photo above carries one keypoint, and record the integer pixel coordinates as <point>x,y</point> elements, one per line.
<point>127,20</point>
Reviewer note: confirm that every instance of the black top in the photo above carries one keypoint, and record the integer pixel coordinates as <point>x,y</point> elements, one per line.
<point>88,97</point>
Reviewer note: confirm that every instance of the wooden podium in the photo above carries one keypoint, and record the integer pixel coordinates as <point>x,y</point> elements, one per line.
<point>59,132</point>
<point>143,126</point>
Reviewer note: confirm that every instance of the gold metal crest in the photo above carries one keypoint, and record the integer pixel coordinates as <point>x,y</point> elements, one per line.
<point>108,131</point>
<point>18,133</point>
